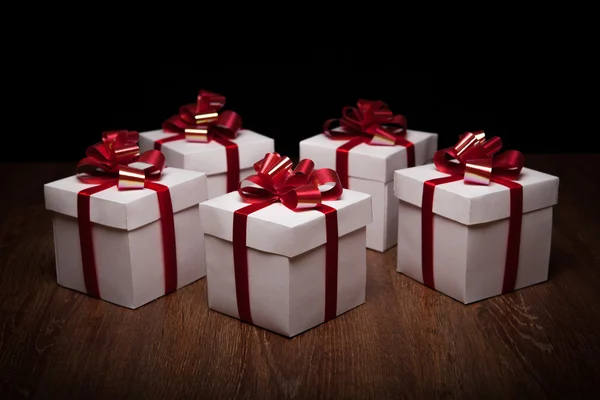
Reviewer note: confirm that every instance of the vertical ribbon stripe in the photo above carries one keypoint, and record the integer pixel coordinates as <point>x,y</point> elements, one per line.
<point>86,241</point>
<point>240,259</point>
<point>331,261</point>
<point>427,227</point>
<point>342,164</point>
<point>410,150</point>
<point>167,224</point>
<point>232,155</point>
<point>514,233</point>
<point>90,275</point>
<point>514,230</point>
<point>341,160</point>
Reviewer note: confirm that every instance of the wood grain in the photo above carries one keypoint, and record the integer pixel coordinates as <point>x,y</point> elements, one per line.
<point>406,342</point>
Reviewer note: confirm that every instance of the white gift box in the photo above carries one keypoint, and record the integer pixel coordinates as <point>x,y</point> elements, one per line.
<point>210,157</point>
<point>286,260</point>
<point>127,236</point>
<point>470,232</point>
<point>371,170</point>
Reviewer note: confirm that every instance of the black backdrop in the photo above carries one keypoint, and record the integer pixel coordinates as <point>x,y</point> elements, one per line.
<point>290,101</point>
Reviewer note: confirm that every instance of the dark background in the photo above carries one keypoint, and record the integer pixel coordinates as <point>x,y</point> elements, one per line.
<point>290,101</point>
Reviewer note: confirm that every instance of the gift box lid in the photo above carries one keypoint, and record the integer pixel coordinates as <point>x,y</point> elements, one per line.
<point>277,229</point>
<point>208,157</point>
<point>376,163</point>
<point>127,209</point>
<point>475,204</point>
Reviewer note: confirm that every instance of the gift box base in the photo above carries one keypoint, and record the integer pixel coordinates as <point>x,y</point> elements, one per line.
<point>287,295</point>
<point>129,264</point>
<point>469,261</point>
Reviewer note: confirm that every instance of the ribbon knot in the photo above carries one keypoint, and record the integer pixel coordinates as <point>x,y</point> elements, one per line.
<point>107,162</point>
<point>202,121</point>
<point>300,188</point>
<point>371,120</point>
<point>477,160</point>
<point>135,178</point>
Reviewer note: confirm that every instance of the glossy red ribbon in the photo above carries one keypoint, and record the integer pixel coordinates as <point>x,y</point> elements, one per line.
<point>204,122</point>
<point>104,167</point>
<point>474,160</point>
<point>298,189</point>
<point>370,122</point>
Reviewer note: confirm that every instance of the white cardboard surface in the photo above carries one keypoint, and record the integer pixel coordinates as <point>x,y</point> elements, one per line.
<point>376,163</point>
<point>475,204</point>
<point>295,232</point>
<point>208,157</point>
<point>382,233</point>
<point>217,183</point>
<point>287,295</point>
<point>127,209</point>
<point>129,264</point>
<point>469,261</point>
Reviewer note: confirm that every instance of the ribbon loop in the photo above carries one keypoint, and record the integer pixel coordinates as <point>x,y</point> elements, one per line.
<point>208,99</point>
<point>304,168</point>
<point>476,159</point>
<point>116,147</point>
<point>156,163</point>
<point>107,161</point>
<point>300,188</point>
<point>126,153</point>
<point>302,197</point>
<point>204,121</point>
<point>371,120</point>
<point>275,166</point>
<point>328,182</point>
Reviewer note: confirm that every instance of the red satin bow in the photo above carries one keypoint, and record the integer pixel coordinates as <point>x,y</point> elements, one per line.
<point>372,120</point>
<point>477,159</point>
<point>202,121</point>
<point>300,188</point>
<point>107,161</point>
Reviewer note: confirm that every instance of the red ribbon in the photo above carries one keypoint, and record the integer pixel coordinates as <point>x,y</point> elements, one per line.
<point>203,122</point>
<point>105,165</point>
<point>477,164</point>
<point>373,123</point>
<point>298,189</point>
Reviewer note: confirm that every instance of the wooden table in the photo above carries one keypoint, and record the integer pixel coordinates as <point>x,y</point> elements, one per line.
<point>407,341</point>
